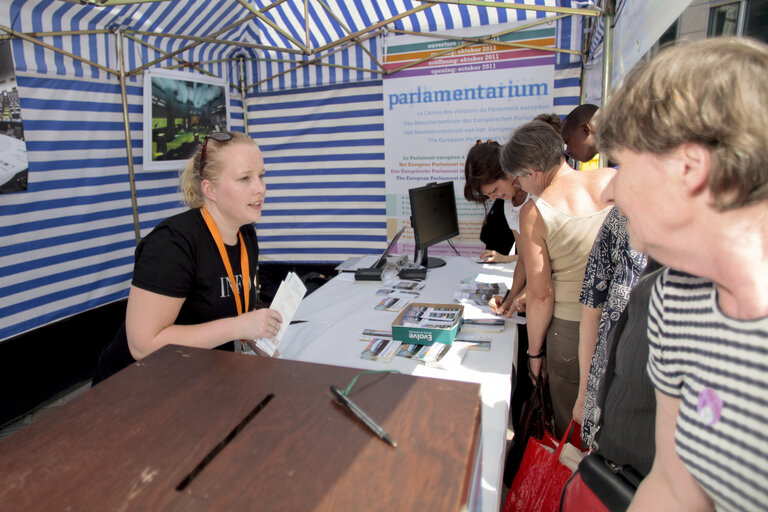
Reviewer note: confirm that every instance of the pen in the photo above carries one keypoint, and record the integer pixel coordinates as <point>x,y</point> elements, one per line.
<point>357,411</point>
<point>506,295</point>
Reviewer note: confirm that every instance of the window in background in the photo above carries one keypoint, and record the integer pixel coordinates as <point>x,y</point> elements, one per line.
<point>725,20</point>
<point>756,22</point>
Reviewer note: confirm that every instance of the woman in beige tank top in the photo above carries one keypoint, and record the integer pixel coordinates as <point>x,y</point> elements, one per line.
<point>557,230</point>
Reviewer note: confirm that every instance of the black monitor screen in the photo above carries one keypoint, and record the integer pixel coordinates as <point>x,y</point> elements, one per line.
<point>433,213</point>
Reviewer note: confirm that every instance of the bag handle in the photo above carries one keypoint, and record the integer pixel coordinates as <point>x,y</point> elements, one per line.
<point>572,432</point>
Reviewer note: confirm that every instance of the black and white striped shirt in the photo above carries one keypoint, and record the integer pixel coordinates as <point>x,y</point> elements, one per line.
<point>718,367</point>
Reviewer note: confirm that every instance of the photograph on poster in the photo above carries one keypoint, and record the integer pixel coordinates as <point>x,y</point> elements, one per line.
<point>14,168</point>
<point>179,110</point>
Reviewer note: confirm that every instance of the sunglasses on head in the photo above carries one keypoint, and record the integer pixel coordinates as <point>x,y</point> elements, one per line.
<point>217,136</point>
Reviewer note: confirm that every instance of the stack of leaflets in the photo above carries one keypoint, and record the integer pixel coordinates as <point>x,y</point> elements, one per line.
<point>436,355</point>
<point>286,302</point>
<point>408,285</point>
<point>378,333</point>
<point>389,303</point>
<point>381,349</point>
<point>483,324</point>
<point>472,341</point>
<point>483,278</point>
<point>427,323</point>
<point>401,289</point>
<point>478,299</point>
<point>479,294</point>
<point>482,343</point>
<point>431,317</point>
<point>484,288</point>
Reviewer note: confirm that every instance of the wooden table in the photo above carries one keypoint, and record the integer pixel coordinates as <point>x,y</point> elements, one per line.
<point>146,439</point>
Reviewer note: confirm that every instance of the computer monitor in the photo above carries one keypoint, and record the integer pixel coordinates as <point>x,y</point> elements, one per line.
<point>433,218</point>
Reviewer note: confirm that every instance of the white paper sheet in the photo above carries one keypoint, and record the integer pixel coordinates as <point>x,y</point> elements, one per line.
<point>286,302</point>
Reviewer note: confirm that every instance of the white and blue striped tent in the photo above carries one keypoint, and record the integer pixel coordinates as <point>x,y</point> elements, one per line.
<point>310,92</point>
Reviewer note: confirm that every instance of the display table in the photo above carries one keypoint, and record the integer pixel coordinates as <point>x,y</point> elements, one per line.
<point>191,429</point>
<point>335,315</point>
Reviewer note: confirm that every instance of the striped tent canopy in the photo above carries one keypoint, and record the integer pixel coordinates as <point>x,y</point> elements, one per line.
<point>290,43</point>
<point>305,80</point>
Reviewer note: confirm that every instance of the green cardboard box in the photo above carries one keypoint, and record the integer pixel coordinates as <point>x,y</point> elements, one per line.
<point>422,323</point>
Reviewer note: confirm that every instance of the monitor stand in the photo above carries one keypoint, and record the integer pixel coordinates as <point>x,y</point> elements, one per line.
<point>427,261</point>
<point>433,262</point>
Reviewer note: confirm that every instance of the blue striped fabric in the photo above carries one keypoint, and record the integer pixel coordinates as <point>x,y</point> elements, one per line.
<point>324,153</point>
<point>67,243</point>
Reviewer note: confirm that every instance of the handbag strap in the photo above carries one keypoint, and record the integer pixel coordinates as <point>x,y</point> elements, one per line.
<point>572,432</point>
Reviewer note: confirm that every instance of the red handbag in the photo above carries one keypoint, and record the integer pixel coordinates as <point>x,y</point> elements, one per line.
<point>539,482</point>
<point>535,420</point>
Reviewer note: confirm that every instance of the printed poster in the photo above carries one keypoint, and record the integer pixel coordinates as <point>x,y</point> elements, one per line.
<point>434,112</point>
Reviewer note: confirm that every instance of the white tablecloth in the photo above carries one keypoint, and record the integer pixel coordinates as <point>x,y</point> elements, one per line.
<point>334,318</point>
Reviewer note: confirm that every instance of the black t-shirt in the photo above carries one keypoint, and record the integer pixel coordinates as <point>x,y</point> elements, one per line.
<point>495,233</point>
<point>179,258</point>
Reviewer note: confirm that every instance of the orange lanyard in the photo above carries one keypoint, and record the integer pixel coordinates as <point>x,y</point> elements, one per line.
<point>225,258</point>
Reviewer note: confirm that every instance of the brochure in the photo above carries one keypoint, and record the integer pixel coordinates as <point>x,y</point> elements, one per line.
<point>286,302</point>
<point>392,304</point>
<point>381,349</point>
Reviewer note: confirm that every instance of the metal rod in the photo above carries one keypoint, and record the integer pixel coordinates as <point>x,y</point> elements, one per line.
<point>272,24</point>
<point>121,2</point>
<point>32,40</point>
<point>69,33</point>
<point>318,61</point>
<point>306,24</point>
<point>198,43</point>
<point>183,63</point>
<point>373,27</point>
<point>348,31</point>
<point>607,62</point>
<point>241,72</point>
<point>522,7</point>
<point>202,39</point>
<point>128,148</point>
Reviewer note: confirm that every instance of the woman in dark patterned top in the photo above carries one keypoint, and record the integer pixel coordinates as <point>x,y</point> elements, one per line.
<point>613,269</point>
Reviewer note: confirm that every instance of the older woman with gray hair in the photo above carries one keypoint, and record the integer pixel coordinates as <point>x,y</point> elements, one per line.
<point>688,130</point>
<point>557,230</point>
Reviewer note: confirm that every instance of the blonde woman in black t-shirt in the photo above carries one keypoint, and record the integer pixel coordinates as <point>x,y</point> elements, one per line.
<point>195,273</point>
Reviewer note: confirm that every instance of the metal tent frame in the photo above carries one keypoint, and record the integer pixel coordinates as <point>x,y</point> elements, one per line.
<point>315,56</point>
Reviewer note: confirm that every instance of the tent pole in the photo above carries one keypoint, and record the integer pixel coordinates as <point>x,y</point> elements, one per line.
<point>607,60</point>
<point>241,69</point>
<point>127,125</point>
<point>307,40</point>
